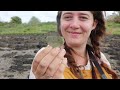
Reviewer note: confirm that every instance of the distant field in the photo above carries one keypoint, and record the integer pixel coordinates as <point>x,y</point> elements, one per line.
<point>112,28</point>
<point>27,29</point>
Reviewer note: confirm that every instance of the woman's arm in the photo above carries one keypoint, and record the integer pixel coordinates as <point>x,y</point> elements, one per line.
<point>31,75</point>
<point>104,60</point>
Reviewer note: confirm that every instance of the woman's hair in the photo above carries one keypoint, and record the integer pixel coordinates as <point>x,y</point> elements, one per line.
<point>94,37</point>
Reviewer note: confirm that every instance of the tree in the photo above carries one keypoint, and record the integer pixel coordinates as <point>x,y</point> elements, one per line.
<point>34,21</point>
<point>16,20</point>
<point>118,13</point>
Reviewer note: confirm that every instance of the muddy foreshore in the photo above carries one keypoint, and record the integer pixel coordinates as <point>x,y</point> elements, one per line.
<point>17,53</point>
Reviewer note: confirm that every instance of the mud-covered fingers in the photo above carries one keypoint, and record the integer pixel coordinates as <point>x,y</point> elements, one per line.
<point>59,74</point>
<point>39,56</point>
<point>55,63</point>
<point>45,62</point>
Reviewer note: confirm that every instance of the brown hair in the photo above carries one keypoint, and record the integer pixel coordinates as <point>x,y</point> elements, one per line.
<point>95,37</point>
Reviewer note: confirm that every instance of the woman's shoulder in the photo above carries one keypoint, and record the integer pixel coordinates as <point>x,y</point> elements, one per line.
<point>104,59</point>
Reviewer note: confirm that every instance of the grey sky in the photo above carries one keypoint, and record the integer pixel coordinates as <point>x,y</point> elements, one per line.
<point>43,16</point>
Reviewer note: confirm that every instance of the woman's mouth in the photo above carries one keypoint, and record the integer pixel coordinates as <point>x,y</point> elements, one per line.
<point>74,34</point>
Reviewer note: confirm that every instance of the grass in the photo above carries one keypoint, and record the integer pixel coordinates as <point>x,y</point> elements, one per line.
<point>27,29</point>
<point>23,29</point>
<point>113,28</point>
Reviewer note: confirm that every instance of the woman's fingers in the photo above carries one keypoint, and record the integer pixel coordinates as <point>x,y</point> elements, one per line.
<point>39,56</point>
<point>59,74</point>
<point>55,63</point>
<point>44,63</point>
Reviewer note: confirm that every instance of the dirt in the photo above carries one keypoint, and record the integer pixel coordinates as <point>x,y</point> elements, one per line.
<point>17,53</point>
<point>111,48</point>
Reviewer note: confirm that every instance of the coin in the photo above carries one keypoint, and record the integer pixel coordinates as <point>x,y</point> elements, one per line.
<point>55,41</point>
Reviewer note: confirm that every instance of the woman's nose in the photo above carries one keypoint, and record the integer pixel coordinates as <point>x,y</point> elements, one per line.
<point>75,24</point>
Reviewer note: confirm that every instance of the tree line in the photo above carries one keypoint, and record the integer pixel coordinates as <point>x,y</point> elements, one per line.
<point>17,20</point>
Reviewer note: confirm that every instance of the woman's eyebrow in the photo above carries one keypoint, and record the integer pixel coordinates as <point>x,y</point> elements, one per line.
<point>67,13</point>
<point>84,14</point>
<point>78,13</point>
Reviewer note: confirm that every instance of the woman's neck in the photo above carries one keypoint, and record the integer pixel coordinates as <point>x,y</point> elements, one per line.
<point>80,55</point>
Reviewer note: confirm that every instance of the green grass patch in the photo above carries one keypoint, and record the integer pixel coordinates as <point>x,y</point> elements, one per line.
<point>113,28</point>
<point>27,29</point>
<point>45,27</point>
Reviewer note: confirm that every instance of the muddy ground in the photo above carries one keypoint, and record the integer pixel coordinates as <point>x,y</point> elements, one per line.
<point>17,53</point>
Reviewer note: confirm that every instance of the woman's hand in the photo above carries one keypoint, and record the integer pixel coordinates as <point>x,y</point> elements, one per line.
<point>49,63</point>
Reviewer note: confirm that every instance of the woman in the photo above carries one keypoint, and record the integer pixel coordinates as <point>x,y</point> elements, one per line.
<point>77,59</point>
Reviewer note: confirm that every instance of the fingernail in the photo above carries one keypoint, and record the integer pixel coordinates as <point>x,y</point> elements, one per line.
<point>48,46</point>
<point>63,51</point>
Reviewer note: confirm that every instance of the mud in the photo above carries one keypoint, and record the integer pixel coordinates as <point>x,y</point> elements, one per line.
<point>17,53</point>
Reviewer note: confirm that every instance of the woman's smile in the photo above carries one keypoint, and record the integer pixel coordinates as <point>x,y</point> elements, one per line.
<point>74,34</point>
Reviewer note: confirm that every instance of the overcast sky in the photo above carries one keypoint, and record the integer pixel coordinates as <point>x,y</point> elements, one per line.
<point>43,16</point>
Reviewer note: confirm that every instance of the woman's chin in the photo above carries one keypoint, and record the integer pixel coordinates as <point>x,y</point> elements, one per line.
<point>75,44</point>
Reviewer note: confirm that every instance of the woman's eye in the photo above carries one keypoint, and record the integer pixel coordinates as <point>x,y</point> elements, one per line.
<point>83,18</point>
<point>68,18</point>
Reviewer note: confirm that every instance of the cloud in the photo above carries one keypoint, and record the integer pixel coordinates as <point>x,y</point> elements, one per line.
<point>109,13</point>
<point>43,16</point>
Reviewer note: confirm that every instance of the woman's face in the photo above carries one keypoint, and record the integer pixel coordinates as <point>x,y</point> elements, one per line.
<point>76,26</point>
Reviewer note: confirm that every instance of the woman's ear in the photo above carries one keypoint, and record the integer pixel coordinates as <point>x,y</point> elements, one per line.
<point>95,24</point>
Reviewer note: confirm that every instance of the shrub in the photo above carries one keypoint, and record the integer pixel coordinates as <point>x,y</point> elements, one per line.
<point>117,19</point>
